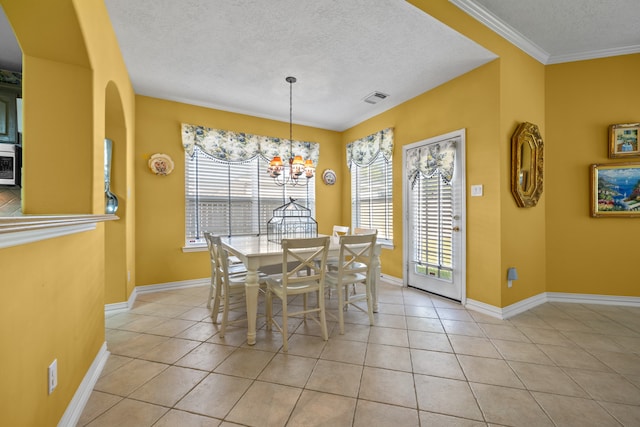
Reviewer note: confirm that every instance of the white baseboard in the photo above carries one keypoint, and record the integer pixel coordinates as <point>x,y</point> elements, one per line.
<point>481,307</point>
<point>172,285</point>
<point>392,280</point>
<point>593,299</point>
<point>122,306</point>
<point>127,305</point>
<point>82,394</point>
<point>536,300</point>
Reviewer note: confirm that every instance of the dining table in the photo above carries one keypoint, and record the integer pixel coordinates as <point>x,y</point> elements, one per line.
<point>257,252</point>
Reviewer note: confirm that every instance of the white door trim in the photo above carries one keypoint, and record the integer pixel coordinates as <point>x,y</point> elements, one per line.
<point>460,133</point>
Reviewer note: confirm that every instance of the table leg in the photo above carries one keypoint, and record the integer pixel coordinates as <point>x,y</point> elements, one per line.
<point>252,286</point>
<point>376,279</point>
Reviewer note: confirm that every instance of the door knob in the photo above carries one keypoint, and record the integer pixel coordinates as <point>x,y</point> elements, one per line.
<point>456,228</point>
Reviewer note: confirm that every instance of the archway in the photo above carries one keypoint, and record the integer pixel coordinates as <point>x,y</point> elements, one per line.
<point>117,271</point>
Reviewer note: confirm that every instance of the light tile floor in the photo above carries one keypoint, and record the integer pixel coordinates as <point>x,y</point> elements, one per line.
<point>10,203</point>
<point>426,362</point>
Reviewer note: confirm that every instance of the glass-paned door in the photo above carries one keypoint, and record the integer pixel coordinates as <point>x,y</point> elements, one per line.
<point>434,194</point>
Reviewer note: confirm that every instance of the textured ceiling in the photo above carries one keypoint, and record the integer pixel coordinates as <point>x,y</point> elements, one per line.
<point>554,31</point>
<point>235,55</point>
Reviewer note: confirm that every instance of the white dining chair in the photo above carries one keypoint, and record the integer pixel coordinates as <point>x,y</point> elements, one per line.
<point>358,230</point>
<point>338,230</point>
<point>355,266</point>
<point>303,273</point>
<point>235,270</point>
<point>233,287</point>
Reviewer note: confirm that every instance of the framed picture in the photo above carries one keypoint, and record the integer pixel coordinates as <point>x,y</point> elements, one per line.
<point>623,140</point>
<point>615,190</point>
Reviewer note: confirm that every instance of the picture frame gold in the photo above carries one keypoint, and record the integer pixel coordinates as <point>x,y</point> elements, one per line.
<point>527,165</point>
<point>623,140</point>
<point>615,190</point>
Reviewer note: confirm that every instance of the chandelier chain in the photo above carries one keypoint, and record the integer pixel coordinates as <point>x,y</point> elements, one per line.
<point>298,167</point>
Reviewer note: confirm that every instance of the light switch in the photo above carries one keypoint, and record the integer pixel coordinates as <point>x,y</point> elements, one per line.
<point>476,190</point>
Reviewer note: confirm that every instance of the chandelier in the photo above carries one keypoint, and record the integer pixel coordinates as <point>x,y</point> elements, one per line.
<point>298,168</point>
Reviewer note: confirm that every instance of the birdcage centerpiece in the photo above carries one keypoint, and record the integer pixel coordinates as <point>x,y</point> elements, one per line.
<point>293,221</point>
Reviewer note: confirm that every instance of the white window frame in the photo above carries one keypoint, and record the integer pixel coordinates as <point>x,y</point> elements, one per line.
<point>368,211</point>
<point>210,180</point>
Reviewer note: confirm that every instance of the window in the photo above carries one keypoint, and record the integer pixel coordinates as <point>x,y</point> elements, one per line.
<point>372,183</point>
<point>234,198</point>
<point>432,206</point>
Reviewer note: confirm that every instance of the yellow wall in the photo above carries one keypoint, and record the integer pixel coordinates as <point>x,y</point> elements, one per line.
<point>113,117</point>
<point>160,202</point>
<point>77,92</point>
<point>584,254</point>
<point>53,307</point>
<point>469,102</point>
<point>522,230</point>
<point>489,103</point>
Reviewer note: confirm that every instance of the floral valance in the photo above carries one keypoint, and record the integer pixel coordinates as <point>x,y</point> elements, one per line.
<point>232,146</point>
<point>364,151</point>
<point>428,160</point>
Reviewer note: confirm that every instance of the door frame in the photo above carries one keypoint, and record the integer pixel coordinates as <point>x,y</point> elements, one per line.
<point>460,133</point>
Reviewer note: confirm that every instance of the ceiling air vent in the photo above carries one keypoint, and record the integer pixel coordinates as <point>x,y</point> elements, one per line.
<point>375,97</point>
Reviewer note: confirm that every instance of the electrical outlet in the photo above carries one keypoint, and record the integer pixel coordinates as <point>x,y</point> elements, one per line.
<point>476,190</point>
<point>53,375</point>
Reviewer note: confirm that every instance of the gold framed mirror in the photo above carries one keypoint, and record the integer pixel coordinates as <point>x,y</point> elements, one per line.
<point>527,164</point>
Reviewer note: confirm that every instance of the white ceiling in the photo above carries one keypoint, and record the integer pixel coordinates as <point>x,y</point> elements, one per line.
<point>235,55</point>
<point>555,31</point>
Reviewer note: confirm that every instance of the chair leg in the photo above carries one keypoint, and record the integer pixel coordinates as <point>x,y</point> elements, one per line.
<point>211,286</point>
<point>341,306</point>
<point>304,305</point>
<point>269,309</point>
<point>215,310</point>
<point>285,325</point>
<point>346,297</point>
<point>369,300</point>
<point>323,319</point>
<point>225,315</point>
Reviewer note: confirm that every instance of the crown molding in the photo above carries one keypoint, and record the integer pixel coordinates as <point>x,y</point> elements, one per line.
<point>593,54</point>
<point>503,29</point>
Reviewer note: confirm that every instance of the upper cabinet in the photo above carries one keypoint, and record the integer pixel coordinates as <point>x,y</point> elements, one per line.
<point>10,90</point>
<point>8,115</point>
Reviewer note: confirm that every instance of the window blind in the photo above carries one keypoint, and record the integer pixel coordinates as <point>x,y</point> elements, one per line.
<point>432,200</point>
<point>372,197</point>
<point>234,198</point>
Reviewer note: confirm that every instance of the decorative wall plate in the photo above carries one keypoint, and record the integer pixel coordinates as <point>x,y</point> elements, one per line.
<point>329,177</point>
<point>161,164</point>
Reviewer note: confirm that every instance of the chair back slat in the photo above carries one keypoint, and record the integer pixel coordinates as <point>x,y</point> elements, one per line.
<point>340,230</point>
<point>356,253</point>
<point>308,256</point>
<point>358,230</point>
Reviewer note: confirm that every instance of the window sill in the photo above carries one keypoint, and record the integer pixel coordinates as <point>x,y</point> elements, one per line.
<point>201,248</point>
<point>21,230</point>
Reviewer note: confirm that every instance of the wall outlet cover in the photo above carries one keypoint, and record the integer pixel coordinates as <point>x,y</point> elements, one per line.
<point>476,190</point>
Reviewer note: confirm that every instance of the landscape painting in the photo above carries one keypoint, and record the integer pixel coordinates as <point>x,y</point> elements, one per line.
<point>615,190</point>
<point>623,140</point>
